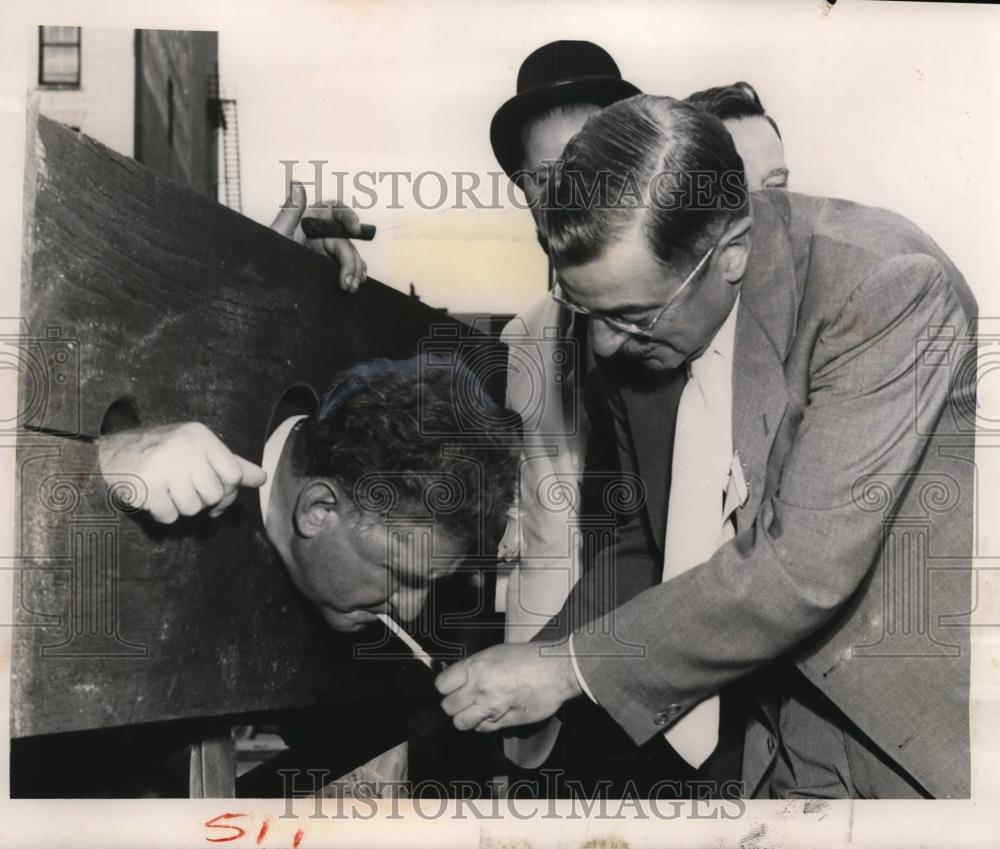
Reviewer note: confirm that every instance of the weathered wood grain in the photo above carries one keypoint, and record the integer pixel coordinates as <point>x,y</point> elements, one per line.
<point>190,312</point>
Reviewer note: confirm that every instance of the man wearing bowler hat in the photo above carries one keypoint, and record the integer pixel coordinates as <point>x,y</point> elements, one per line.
<point>559,86</point>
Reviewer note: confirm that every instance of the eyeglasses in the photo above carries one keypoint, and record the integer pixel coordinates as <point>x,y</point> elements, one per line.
<point>621,324</point>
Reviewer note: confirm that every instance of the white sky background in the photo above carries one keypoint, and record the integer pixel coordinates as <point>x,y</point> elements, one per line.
<point>888,103</point>
<point>893,104</point>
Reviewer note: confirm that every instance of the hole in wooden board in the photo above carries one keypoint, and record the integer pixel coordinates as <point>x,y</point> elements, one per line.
<point>121,415</point>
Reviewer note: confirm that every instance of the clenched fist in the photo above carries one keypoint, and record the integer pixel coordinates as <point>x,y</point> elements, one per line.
<point>185,468</point>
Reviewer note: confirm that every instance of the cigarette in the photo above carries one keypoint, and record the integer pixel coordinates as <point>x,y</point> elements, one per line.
<point>329,228</point>
<point>412,644</point>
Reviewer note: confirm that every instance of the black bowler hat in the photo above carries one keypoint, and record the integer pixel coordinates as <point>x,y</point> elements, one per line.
<point>562,72</point>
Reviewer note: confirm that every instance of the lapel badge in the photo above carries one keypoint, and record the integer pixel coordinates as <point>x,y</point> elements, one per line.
<point>738,481</point>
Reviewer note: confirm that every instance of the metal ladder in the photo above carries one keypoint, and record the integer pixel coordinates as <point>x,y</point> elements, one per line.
<point>227,122</point>
<point>231,154</point>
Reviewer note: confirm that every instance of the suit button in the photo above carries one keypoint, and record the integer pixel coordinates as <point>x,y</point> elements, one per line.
<point>664,716</point>
<point>770,744</point>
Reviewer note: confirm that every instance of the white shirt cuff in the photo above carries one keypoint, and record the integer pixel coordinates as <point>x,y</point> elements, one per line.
<point>577,673</point>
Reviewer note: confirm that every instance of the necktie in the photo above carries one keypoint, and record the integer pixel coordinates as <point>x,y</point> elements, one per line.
<point>695,527</point>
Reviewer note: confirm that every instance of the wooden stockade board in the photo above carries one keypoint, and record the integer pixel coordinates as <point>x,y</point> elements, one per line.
<point>137,290</point>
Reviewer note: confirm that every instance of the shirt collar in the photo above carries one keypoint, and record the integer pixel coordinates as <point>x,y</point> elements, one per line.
<point>723,344</point>
<point>272,454</point>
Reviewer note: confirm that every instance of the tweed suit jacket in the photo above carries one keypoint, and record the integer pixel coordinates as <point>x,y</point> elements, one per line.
<point>852,392</point>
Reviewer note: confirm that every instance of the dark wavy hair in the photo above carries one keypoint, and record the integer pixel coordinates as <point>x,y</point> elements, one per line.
<point>418,433</point>
<point>732,102</point>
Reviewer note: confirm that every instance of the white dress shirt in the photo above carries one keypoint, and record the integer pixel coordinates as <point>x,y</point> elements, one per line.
<point>696,521</point>
<point>699,511</point>
<point>272,454</point>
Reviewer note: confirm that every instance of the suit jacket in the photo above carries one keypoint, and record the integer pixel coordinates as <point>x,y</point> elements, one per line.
<point>853,402</point>
<point>296,399</point>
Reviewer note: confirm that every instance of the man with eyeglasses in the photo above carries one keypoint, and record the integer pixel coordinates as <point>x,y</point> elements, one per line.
<point>640,328</point>
<point>569,471</point>
<point>780,374</point>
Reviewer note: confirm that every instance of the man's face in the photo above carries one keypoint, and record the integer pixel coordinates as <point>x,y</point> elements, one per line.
<point>543,141</point>
<point>762,152</point>
<point>628,282</point>
<point>359,566</point>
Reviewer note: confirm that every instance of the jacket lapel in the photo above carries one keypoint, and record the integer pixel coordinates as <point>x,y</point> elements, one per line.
<point>759,401</point>
<point>765,325</point>
<point>760,397</point>
<point>293,400</point>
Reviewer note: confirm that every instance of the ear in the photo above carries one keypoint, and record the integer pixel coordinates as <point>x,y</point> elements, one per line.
<point>734,249</point>
<point>318,505</point>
